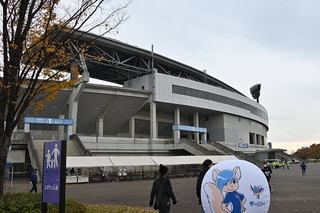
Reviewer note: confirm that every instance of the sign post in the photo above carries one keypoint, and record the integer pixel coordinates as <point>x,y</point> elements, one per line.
<point>54,174</point>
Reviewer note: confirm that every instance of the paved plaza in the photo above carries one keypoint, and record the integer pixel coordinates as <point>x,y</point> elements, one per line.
<point>292,191</point>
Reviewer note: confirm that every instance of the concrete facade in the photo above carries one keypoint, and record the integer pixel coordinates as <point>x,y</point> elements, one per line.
<point>156,94</point>
<point>225,122</point>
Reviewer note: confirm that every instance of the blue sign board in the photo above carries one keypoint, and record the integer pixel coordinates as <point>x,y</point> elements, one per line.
<point>51,172</point>
<point>243,145</point>
<point>189,128</point>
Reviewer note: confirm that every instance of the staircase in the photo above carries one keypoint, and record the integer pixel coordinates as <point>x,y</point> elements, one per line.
<point>205,149</point>
<point>36,152</point>
<point>238,154</point>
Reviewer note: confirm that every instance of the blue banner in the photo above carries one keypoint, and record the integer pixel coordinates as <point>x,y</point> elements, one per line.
<point>51,172</point>
<point>243,145</point>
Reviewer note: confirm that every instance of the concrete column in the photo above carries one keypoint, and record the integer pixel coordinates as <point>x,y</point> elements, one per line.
<point>132,127</point>
<point>204,137</point>
<point>176,134</point>
<point>73,113</point>
<point>153,121</point>
<point>196,124</point>
<point>26,127</point>
<point>99,125</point>
<point>69,131</point>
<point>61,129</point>
<point>74,98</point>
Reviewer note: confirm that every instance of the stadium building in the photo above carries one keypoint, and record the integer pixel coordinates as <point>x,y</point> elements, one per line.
<point>160,107</point>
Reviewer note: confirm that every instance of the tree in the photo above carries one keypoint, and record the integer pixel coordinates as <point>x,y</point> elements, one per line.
<point>35,38</point>
<point>303,152</point>
<point>314,151</point>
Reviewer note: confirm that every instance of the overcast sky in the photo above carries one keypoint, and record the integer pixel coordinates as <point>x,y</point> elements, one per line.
<point>272,42</point>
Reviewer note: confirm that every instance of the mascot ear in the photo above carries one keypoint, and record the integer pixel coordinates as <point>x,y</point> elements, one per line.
<point>215,174</point>
<point>237,173</point>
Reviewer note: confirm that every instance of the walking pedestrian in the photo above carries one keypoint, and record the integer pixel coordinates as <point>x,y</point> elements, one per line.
<point>205,167</point>
<point>162,192</point>
<point>303,168</point>
<point>34,181</point>
<point>267,171</point>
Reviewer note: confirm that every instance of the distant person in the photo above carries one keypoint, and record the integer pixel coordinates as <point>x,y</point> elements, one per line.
<point>162,192</point>
<point>205,167</point>
<point>283,164</point>
<point>303,168</point>
<point>288,164</point>
<point>273,165</point>
<point>34,181</point>
<point>79,171</point>
<point>267,171</point>
<point>72,171</point>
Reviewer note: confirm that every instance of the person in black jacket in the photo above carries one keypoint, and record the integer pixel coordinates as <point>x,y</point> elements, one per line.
<point>162,191</point>
<point>267,171</point>
<point>34,181</point>
<point>205,167</point>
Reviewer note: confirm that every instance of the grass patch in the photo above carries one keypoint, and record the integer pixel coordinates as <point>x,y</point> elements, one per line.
<point>101,208</point>
<point>23,202</point>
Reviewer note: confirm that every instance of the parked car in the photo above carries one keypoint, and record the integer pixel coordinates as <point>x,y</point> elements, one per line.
<point>293,160</point>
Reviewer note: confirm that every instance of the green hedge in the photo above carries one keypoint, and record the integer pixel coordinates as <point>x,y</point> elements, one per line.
<point>32,203</point>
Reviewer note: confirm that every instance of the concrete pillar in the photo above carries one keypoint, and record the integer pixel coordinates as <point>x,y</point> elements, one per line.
<point>69,131</point>
<point>132,127</point>
<point>99,125</point>
<point>61,129</point>
<point>26,127</point>
<point>74,98</point>
<point>176,133</point>
<point>196,124</point>
<point>204,137</point>
<point>153,121</point>
<point>73,113</point>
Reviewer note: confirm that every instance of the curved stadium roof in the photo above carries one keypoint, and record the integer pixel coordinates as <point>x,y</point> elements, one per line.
<point>118,62</point>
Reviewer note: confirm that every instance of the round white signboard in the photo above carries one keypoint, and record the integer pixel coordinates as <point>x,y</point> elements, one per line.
<point>235,186</point>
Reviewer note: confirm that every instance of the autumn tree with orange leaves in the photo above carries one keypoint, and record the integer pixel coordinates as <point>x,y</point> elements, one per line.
<point>35,38</point>
<point>311,152</point>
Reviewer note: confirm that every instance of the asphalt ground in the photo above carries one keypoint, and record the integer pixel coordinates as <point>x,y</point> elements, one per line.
<point>292,191</point>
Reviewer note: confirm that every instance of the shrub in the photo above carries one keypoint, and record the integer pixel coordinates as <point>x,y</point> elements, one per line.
<point>23,202</point>
<point>32,203</point>
<point>72,206</point>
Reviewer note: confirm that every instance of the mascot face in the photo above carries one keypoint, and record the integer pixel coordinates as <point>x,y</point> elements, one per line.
<point>230,187</point>
<point>235,186</point>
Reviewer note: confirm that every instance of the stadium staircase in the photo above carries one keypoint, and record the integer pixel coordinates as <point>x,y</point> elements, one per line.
<point>35,150</point>
<point>214,148</point>
<point>238,154</point>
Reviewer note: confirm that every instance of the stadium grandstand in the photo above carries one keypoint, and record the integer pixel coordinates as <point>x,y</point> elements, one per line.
<point>155,107</point>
